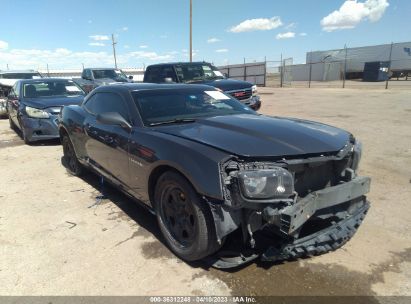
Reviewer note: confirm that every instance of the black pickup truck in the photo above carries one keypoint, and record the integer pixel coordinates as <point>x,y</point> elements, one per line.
<point>203,73</point>
<point>95,77</point>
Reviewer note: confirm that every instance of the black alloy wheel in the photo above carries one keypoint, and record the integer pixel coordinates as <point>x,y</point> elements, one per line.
<point>184,218</point>
<point>178,215</point>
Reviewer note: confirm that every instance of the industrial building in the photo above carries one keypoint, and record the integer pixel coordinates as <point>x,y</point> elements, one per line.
<point>331,65</point>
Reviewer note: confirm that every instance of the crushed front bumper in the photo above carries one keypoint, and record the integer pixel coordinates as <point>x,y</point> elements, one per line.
<point>343,207</point>
<point>40,129</point>
<point>291,218</point>
<point>321,242</point>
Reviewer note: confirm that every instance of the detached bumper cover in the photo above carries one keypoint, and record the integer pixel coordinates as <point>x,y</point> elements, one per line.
<point>321,242</point>
<point>293,217</point>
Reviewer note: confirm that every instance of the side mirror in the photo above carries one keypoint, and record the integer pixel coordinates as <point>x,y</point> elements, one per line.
<point>113,118</point>
<point>130,77</point>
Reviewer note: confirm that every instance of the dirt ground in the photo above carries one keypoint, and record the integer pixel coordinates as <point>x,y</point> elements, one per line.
<point>56,240</point>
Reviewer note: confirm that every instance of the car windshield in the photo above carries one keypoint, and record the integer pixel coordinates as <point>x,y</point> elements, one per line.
<point>189,73</point>
<point>20,76</point>
<point>51,88</point>
<point>109,73</point>
<point>182,105</point>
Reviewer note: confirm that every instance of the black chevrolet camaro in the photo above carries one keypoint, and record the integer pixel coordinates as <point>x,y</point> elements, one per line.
<point>213,170</point>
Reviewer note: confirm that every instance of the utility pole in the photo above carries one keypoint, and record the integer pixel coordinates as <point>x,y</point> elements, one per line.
<point>114,49</point>
<point>389,67</point>
<point>191,30</point>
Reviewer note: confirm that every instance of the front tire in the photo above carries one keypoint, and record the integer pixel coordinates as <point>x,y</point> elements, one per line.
<point>24,135</point>
<point>70,160</point>
<point>184,218</point>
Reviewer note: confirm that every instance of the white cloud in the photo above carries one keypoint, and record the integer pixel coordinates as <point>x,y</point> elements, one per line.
<point>126,46</point>
<point>213,40</point>
<point>286,35</point>
<point>290,26</point>
<point>352,12</point>
<point>153,56</point>
<point>143,46</point>
<point>125,28</point>
<point>260,24</point>
<point>90,21</point>
<point>3,45</point>
<point>96,44</point>
<point>63,58</point>
<point>99,37</point>
<point>222,50</point>
<point>303,34</point>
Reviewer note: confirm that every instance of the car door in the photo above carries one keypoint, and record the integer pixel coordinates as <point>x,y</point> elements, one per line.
<point>107,145</point>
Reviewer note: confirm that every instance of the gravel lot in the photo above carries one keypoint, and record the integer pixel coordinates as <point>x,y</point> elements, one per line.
<point>55,239</point>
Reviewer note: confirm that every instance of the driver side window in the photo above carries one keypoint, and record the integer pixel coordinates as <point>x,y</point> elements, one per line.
<point>107,102</point>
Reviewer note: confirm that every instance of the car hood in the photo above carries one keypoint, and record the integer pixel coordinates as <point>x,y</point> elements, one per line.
<point>42,103</point>
<point>262,136</point>
<point>227,84</point>
<point>107,81</point>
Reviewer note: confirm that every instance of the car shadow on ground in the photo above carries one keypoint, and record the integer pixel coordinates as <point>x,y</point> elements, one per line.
<point>138,212</point>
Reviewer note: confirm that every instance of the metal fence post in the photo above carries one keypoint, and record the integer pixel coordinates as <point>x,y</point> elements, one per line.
<point>311,66</point>
<point>389,67</point>
<point>265,70</point>
<point>345,65</point>
<point>281,71</point>
<point>245,71</point>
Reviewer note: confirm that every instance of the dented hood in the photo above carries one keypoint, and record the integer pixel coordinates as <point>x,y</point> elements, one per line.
<point>261,136</point>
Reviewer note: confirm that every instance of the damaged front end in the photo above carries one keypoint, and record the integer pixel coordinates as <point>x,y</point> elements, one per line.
<point>309,205</point>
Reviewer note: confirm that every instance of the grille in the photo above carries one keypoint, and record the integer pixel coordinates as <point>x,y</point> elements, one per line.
<point>241,94</point>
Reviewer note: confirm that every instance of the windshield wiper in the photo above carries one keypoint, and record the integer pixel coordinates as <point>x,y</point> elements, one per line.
<point>173,121</point>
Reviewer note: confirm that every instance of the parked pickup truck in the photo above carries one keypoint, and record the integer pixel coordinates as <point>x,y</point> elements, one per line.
<point>203,73</point>
<point>95,77</point>
<point>7,81</point>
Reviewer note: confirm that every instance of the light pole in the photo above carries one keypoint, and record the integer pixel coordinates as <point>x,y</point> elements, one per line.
<point>191,30</point>
<point>114,49</point>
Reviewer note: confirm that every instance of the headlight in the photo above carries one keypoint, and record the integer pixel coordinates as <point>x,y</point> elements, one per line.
<point>254,90</point>
<point>356,155</point>
<point>268,183</point>
<point>36,113</point>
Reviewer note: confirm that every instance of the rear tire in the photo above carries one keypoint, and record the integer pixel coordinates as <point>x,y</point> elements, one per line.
<point>70,160</point>
<point>184,218</point>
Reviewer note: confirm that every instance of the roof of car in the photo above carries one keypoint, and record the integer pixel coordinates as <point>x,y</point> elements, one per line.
<point>180,63</point>
<point>42,80</point>
<point>153,86</point>
<point>101,69</point>
<point>17,71</point>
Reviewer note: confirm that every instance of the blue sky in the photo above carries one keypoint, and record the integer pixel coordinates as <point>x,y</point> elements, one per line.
<point>65,34</point>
